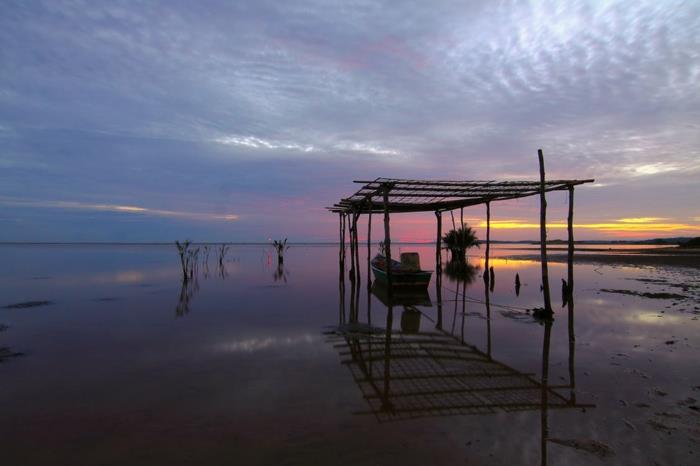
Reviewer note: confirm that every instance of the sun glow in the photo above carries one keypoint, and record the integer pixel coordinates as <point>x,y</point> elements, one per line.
<point>627,225</point>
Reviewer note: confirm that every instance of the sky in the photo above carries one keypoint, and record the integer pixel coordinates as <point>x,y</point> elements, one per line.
<point>243,120</point>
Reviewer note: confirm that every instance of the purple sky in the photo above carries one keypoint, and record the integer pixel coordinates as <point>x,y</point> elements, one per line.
<point>241,121</point>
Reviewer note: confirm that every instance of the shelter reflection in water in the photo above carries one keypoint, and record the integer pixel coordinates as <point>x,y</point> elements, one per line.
<point>420,369</point>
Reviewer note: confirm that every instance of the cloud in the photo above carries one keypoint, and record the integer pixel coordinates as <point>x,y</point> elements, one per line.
<point>126,209</point>
<point>191,105</point>
<point>258,143</point>
<point>252,142</point>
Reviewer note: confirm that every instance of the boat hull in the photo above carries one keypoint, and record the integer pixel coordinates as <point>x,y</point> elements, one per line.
<point>407,279</point>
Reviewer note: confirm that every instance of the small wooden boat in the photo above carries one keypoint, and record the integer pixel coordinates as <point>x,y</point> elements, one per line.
<point>406,273</point>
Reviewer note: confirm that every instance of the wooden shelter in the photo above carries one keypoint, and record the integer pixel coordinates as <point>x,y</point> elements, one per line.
<point>391,195</point>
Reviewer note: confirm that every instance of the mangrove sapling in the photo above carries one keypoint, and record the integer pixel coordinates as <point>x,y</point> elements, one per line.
<point>182,249</point>
<point>280,247</point>
<point>223,249</point>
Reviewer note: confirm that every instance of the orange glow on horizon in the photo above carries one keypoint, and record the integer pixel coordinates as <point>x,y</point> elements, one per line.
<point>641,225</point>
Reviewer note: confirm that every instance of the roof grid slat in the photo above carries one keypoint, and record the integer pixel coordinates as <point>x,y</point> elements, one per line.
<point>406,195</point>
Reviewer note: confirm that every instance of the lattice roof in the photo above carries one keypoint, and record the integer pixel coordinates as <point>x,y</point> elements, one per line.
<point>440,195</point>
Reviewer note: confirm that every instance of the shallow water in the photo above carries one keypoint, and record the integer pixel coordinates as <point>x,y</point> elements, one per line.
<point>251,364</point>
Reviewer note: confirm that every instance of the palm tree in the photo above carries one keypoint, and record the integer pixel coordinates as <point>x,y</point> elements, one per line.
<point>459,240</point>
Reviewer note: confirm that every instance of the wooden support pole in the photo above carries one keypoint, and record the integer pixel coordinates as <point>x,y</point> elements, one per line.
<point>488,241</point>
<point>387,237</point>
<point>570,261</point>
<point>543,237</point>
<point>570,293</point>
<point>357,252</point>
<point>390,310</point>
<point>438,242</point>
<point>340,237</point>
<point>352,245</point>
<point>438,269</point>
<point>342,242</point>
<point>369,247</point>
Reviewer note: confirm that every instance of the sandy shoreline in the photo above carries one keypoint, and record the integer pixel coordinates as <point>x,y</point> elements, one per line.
<point>661,256</point>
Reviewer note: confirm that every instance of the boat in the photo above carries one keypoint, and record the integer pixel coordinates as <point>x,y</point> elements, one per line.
<point>406,273</point>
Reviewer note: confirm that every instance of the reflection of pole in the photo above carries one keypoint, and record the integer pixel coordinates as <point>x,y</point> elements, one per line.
<point>464,306</point>
<point>353,303</point>
<point>454,314</point>
<point>543,237</point>
<point>545,380</point>
<point>387,355</point>
<point>487,301</point>
<point>570,292</point>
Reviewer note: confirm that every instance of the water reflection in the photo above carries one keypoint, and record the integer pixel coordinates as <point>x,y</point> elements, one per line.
<point>5,351</point>
<point>410,372</point>
<point>280,273</point>
<point>188,288</point>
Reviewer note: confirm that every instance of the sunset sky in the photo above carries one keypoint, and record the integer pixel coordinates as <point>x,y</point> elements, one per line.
<point>242,120</point>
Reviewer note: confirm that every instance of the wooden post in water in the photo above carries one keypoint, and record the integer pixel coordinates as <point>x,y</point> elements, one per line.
<point>342,243</point>
<point>487,299</point>
<point>570,261</point>
<point>357,252</point>
<point>369,246</point>
<point>488,239</point>
<point>438,269</point>
<point>390,310</point>
<point>351,232</point>
<point>543,237</point>
<point>570,292</point>
<point>438,242</point>
<point>387,237</point>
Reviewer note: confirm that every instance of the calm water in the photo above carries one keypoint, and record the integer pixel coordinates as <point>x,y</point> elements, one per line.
<point>251,364</point>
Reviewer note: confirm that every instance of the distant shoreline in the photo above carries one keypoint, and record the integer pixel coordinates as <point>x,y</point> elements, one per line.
<point>555,245</point>
<point>657,256</point>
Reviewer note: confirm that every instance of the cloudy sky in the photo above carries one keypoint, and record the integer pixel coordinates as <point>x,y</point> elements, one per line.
<point>242,120</point>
